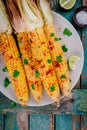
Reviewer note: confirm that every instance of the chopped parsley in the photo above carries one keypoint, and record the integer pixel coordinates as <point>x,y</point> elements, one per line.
<point>67,32</point>
<point>33,86</point>
<point>37,74</point>
<point>59,59</point>
<point>6,82</point>
<point>64,48</point>
<point>12,104</point>
<point>16,73</point>
<point>5,69</point>
<point>52,88</point>
<point>70,80</point>
<point>20,41</point>
<point>30,58</point>
<point>63,76</point>
<point>25,61</point>
<point>57,39</point>
<point>49,61</point>
<point>52,34</point>
<point>39,46</point>
<point>20,55</point>
<point>29,46</point>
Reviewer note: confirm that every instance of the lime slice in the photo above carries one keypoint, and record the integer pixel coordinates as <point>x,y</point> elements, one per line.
<point>72,61</point>
<point>67,4</point>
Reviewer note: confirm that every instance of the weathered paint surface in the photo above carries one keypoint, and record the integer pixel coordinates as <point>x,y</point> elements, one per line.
<point>39,122</point>
<point>67,122</point>
<point>1,122</point>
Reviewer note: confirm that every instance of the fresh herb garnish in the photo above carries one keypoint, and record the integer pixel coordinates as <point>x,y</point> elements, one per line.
<point>67,32</point>
<point>6,82</point>
<point>20,55</point>
<point>20,41</point>
<point>63,76</point>
<point>37,74</point>
<point>52,88</point>
<point>12,104</point>
<point>25,61</point>
<point>57,39</point>
<point>16,73</point>
<point>59,59</point>
<point>33,86</point>
<point>52,34</point>
<point>64,48</point>
<point>49,61</point>
<point>30,58</point>
<point>5,69</point>
<point>70,80</point>
<point>39,46</point>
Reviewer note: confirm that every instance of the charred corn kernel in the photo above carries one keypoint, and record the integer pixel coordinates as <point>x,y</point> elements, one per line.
<point>45,68</point>
<point>34,82</point>
<point>59,61</point>
<point>15,68</point>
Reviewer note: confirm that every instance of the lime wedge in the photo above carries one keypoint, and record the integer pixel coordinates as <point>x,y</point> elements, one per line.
<point>72,61</point>
<point>67,4</point>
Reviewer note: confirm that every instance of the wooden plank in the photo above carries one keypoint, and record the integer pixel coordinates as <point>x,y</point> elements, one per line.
<point>10,122</point>
<point>22,120</point>
<point>1,122</point>
<point>40,122</point>
<point>84,122</point>
<point>67,122</point>
<point>77,103</point>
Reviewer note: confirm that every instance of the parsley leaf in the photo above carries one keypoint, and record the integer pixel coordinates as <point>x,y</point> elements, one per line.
<point>25,61</point>
<point>33,86</point>
<point>12,104</point>
<point>52,34</point>
<point>39,46</point>
<point>5,69</point>
<point>37,74</point>
<point>20,55</point>
<point>59,59</point>
<point>49,61</point>
<point>20,41</point>
<point>63,76</point>
<point>57,39</point>
<point>16,73</point>
<point>64,48</point>
<point>52,88</point>
<point>6,82</point>
<point>67,32</point>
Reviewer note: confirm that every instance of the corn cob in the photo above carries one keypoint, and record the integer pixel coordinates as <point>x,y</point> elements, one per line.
<point>11,56</point>
<point>44,65</point>
<point>59,61</point>
<point>15,68</point>
<point>27,59</point>
<point>29,66</point>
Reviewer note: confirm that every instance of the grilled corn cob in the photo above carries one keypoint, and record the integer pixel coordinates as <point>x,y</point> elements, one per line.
<point>59,61</point>
<point>39,48</point>
<point>34,82</point>
<point>29,65</point>
<point>11,56</point>
<point>15,68</point>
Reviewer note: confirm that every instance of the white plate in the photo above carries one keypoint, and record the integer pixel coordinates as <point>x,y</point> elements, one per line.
<point>74,45</point>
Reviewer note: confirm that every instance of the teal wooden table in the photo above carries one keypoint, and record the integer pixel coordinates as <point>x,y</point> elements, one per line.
<point>72,113</point>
